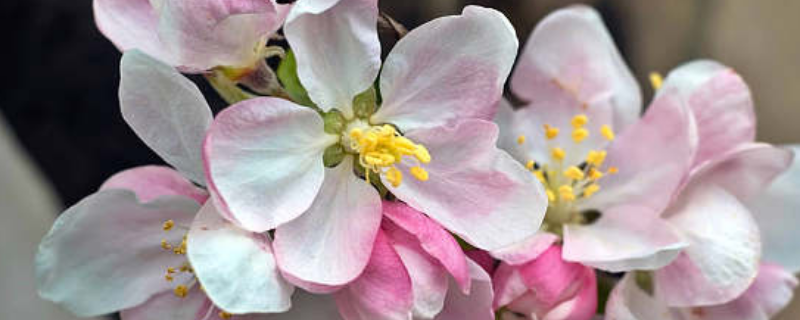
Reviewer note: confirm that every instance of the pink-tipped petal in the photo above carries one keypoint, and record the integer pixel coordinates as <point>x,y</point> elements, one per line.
<point>337,49</point>
<point>649,176</point>
<point>131,24</point>
<point>746,171</point>
<point>432,238</point>
<point>526,250</point>
<point>166,110</point>
<point>629,302</point>
<point>383,291</point>
<point>582,306</point>
<point>475,190</point>
<point>723,254</point>
<point>476,305</point>
<point>330,243</point>
<point>770,292</point>
<point>570,62</point>
<point>264,161</point>
<point>104,254</point>
<point>721,103</point>
<point>151,182</point>
<point>448,69</point>
<point>203,34</point>
<point>167,305</point>
<point>236,267</point>
<point>775,211</point>
<point>624,238</point>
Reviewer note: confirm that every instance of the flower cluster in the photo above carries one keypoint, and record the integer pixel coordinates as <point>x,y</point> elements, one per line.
<point>340,185</point>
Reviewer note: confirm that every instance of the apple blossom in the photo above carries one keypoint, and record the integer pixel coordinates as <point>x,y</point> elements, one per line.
<point>579,132</point>
<point>273,164</point>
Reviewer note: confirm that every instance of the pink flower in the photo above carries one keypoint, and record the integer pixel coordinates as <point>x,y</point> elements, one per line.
<point>150,231</point>
<point>580,133</point>
<point>546,288</point>
<point>273,164</point>
<point>193,35</point>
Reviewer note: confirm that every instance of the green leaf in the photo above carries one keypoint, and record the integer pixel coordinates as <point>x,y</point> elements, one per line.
<point>287,74</point>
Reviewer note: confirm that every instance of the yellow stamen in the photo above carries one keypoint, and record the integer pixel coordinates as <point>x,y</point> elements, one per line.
<point>181,291</point>
<point>419,173</point>
<point>521,139</point>
<point>596,158</point>
<point>607,133</point>
<point>566,193</point>
<point>168,225</point>
<point>550,195</point>
<point>656,80</point>
<point>595,174</point>
<point>165,245</point>
<point>421,153</point>
<point>168,277</point>
<point>579,121</point>
<point>590,190</point>
<point>394,176</point>
<point>540,176</point>
<point>550,132</point>
<point>558,153</point>
<point>578,135</point>
<point>530,165</point>
<point>574,173</point>
<point>612,170</point>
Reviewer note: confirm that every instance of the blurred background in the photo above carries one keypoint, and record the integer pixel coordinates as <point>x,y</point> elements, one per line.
<point>61,133</point>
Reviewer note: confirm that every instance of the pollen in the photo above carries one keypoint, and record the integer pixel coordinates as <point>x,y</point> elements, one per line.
<point>596,158</point>
<point>382,148</point>
<point>181,291</point>
<point>578,135</point>
<point>595,174</point>
<point>550,132</point>
<point>607,133</point>
<point>167,226</point>
<point>590,190</point>
<point>566,193</point>
<point>656,80</point>
<point>574,173</point>
<point>558,153</point>
<point>521,139</point>
<point>579,121</point>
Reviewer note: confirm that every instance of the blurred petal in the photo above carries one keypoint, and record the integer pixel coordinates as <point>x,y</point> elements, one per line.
<point>628,302</point>
<point>746,171</point>
<point>337,49</point>
<point>167,305</point>
<point>477,305</point>
<point>151,182</point>
<point>770,292</point>
<point>448,69</point>
<point>526,250</point>
<point>775,211</point>
<point>264,161</point>
<point>236,268</point>
<point>723,254</point>
<point>204,34</point>
<point>104,254</point>
<point>131,24</point>
<point>306,306</point>
<point>649,176</point>
<point>475,190</point>
<point>166,110</point>
<point>721,103</point>
<point>330,243</point>
<point>383,291</point>
<point>624,238</point>
<point>570,63</point>
<point>432,238</point>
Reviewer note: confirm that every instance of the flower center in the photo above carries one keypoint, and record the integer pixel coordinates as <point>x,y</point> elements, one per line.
<point>380,148</point>
<point>567,184</point>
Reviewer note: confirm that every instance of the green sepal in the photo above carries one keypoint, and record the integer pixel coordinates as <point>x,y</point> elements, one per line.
<point>334,122</point>
<point>287,74</point>
<point>644,280</point>
<point>364,104</point>
<point>333,155</point>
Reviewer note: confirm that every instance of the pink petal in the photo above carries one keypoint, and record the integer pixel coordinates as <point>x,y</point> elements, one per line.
<point>436,241</point>
<point>775,211</point>
<point>724,249</point>
<point>746,171</point>
<point>508,285</point>
<point>236,268</point>
<point>383,291</point>
<point>527,250</point>
<point>151,182</point>
<point>166,110</point>
<point>477,305</point>
<point>624,238</point>
<point>167,305</point>
<point>104,254</point>
<point>483,259</point>
<point>264,161</point>
<point>770,292</point>
<point>628,302</point>
<point>475,190</point>
<point>583,306</point>
<point>337,49</point>
<point>721,103</point>
<point>131,24</point>
<point>649,175</point>
<point>330,243</point>
<point>205,33</point>
<point>448,69</point>
<point>570,62</point>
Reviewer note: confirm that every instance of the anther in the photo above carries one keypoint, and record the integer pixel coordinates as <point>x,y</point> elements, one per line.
<point>566,193</point>
<point>579,121</point>
<point>168,225</point>
<point>225,315</point>
<point>394,176</point>
<point>521,139</point>
<point>419,173</point>
<point>550,132</point>
<point>530,164</point>
<point>596,158</point>
<point>550,195</point>
<point>558,153</point>
<point>181,291</point>
<point>590,190</point>
<point>165,245</point>
<point>613,170</point>
<point>607,133</point>
<point>574,173</point>
<point>656,80</point>
<point>595,174</point>
<point>578,135</point>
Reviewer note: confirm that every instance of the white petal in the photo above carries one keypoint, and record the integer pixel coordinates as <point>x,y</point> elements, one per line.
<point>166,110</point>
<point>628,302</point>
<point>236,267</point>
